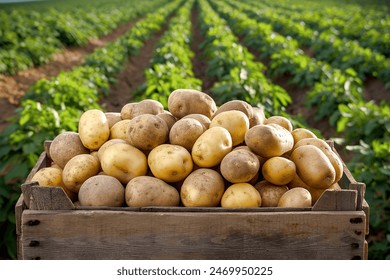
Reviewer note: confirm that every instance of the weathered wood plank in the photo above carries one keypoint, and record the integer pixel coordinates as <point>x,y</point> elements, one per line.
<point>19,207</point>
<point>102,234</point>
<point>337,200</point>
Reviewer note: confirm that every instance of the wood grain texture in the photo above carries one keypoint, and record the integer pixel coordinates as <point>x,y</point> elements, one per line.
<point>334,200</point>
<point>102,234</point>
<point>19,207</point>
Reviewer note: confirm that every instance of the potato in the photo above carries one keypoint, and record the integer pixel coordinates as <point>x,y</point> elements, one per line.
<point>313,167</point>
<point>210,148</point>
<point>241,195</point>
<point>182,102</point>
<point>240,166</point>
<point>279,170</point>
<point>204,187</point>
<point>145,191</point>
<point>270,193</point>
<point>65,146</point>
<point>302,133</point>
<point>269,140</point>
<point>296,198</point>
<point>146,106</point>
<point>147,131</point>
<point>239,105</point>
<point>280,120</point>
<point>205,121</point>
<point>113,118</point>
<point>93,129</point>
<point>168,118</point>
<point>124,162</point>
<point>52,177</point>
<point>244,147</point>
<point>78,169</point>
<point>258,117</point>
<point>297,182</point>
<point>119,130</point>
<point>127,110</point>
<point>102,190</point>
<point>236,122</point>
<point>170,163</point>
<point>107,144</point>
<point>185,132</point>
<point>327,150</point>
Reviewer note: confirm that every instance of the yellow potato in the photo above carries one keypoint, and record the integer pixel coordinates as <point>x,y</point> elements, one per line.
<point>302,133</point>
<point>279,170</point>
<point>241,195</point>
<point>93,129</point>
<point>270,193</point>
<point>119,130</point>
<point>127,110</point>
<point>239,105</point>
<point>280,120</point>
<point>204,187</point>
<point>146,191</point>
<point>102,190</point>
<point>147,131</point>
<point>113,118</point>
<point>185,132</point>
<point>210,148</point>
<point>240,166</point>
<point>146,106</point>
<point>124,162</point>
<point>236,122</point>
<point>52,177</point>
<point>170,163</point>
<point>269,140</point>
<point>78,169</point>
<point>107,144</point>
<point>258,117</point>
<point>327,150</point>
<point>182,102</point>
<point>313,166</point>
<point>168,118</point>
<point>205,121</point>
<point>65,146</point>
<point>296,198</point>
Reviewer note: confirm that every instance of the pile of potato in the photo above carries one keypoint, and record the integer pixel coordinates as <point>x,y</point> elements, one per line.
<point>193,154</point>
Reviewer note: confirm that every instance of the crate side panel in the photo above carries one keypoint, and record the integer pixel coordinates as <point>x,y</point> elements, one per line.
<point>162,235</point>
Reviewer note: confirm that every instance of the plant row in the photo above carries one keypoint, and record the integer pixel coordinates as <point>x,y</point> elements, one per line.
<point>368,25</point>
<point>30,37</point>
<point>238,75</point>
<point>55,105</point>
<point>328,86</point>
<point>171,64</point>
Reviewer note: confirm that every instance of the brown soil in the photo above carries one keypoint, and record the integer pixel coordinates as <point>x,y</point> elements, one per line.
<point>375,90</point>
<point>131,77</point>
<point>12,88</point>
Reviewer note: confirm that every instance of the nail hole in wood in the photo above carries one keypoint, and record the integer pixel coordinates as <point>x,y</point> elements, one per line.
<point>33,222</point>
<point>356,220</point>
<point>33,243</point>
<point>358,232</point>
<point>355,245</point>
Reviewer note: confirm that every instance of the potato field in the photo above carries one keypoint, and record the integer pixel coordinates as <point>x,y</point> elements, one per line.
<point>323,66</point>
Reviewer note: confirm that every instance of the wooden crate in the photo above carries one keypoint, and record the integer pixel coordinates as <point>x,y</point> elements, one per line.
<point>50,226</point>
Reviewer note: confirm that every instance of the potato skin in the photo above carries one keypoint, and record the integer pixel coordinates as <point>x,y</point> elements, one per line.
<point>182,102</point>
<point>327,150</point>
<point>107,144</point>
<point>313,167</point>
<point>205,121</point>
<point>119,130</point>
<point>93,129</point>
<point>204,187</point>
<point>124,162</point>
<point>239,105</point>
<point>171,163</point>
<point>79,169</point>
<point>65,146</point>
<point>270,193</point>
<point>145,191</point>
<point>146,106</point>
<point>269,140</point>
<point>236,122</point>
<point>280,120</point>
<point>240,166</point>
<point>185,132</point>
<point>113,118</point>
<point>296,198</point>
<point>102,190</point>
<point>241,195</point>
<point>279,170</point>
<point>210,148</point>
<point>147,131</point>
<point>258,117</point>
<point>302,133</point>
<point>168,118</point>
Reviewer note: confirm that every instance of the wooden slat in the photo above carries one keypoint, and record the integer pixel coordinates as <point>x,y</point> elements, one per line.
<point>337,200</point>
<point>19,207</point>
<point>102,234</point>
